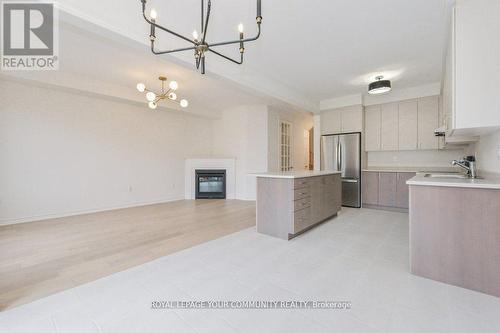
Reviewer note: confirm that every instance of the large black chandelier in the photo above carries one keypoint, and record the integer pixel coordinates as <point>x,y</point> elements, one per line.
<point>199,43</point>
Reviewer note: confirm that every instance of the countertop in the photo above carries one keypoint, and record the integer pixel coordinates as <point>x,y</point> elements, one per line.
<point>295,174</point>
<point>411,169</point>
<point>488,181</point>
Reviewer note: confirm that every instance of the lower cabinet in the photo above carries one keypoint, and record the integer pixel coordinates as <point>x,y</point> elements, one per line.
<point>385,190</point>
<point>287,207</point>
<point>402,189</point>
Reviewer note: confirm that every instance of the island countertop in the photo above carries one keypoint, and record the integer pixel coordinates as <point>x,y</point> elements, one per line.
<point>295,174</point>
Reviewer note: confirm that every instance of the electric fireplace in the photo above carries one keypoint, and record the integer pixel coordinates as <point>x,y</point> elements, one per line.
<point>210,184</point>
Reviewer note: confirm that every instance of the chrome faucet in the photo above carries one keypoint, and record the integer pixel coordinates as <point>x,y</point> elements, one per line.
<point>468,164</point>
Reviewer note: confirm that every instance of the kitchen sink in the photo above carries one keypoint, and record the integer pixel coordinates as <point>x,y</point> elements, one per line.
<point>446,175</point>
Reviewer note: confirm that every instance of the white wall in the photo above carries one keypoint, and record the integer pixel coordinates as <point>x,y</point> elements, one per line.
<point>251,135</point>
<point>415,158</point>
<point>242,134</point>
<point>301,124</point>
<point>63,153</point>
<point>488,152</point>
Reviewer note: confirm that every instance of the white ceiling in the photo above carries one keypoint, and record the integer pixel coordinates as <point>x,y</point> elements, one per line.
<point>310,50</point>
<point>98,65</point>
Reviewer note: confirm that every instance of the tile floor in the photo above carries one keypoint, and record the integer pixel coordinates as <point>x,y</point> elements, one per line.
<point>361,256</point>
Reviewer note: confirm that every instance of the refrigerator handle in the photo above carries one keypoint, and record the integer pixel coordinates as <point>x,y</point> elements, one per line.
<point>340,156</point>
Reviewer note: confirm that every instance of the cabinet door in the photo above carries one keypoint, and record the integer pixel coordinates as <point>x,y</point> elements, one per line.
<point>477,51</point>
<point>428,119</point>
<point>389,127</point>
<point>352,120</point>
<point>369,188</point>
<point>402,190</point>
<point>331,122</point>
<point>332,194</point>
<point>408,125</point>
<point>372,128</point>
<point>387,189</point>
<point>316,199</point>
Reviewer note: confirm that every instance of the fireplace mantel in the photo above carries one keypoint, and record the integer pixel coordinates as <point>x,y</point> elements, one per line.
<point>191,164</point>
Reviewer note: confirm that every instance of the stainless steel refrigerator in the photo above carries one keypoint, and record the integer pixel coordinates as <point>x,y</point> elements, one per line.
<point>342,152</point>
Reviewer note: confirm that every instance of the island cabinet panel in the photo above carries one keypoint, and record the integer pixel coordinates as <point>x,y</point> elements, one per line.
<point>454,236</point>
<point>316,199</point>
<point>287,207</point>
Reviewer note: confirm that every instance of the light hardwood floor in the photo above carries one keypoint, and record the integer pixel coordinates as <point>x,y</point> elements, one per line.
<point>40,258</point>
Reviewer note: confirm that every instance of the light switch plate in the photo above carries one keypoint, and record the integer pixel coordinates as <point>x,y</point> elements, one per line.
<point>498,152</point>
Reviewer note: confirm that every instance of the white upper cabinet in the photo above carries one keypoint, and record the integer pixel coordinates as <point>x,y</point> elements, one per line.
<point>343,120</point>
<point>352,120</point>
<point>331,122</point>
<point>408,125</point>
<point>405,125</point>
<point>428,120</point>
<point>372,128</point>
<point>471,99</point>
<point>389,130</point>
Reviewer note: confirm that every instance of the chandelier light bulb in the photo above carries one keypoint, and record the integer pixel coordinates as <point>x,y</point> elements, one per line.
<point>241,28</point>
<point>151,96</point>
<point>172,96</point>
<point>141,87</point>
<point>173,85</point>
<point>152,105</point>
<point>153,14</point>
<point>184,103</point>
<point>195,35</point>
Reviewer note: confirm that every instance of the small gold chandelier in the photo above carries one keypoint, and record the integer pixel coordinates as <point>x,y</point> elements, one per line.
<point>170,94</point>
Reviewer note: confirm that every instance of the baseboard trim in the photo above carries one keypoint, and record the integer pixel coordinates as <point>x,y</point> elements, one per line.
<point>390,209</point>
<point>4,222</point>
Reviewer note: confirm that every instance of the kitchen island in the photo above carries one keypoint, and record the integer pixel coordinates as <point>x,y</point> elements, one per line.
<point>290,203</point>
<point>455,230</point>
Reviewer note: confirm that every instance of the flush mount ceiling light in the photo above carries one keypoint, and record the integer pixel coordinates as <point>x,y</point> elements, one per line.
<point>153,98</point>
<point>380,86</point>
<point>199,43</point>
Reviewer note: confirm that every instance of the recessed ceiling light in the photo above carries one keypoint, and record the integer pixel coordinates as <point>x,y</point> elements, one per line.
<point>379,86</point>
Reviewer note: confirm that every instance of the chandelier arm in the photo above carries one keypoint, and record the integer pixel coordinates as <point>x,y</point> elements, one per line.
<point>238,40</point>
<point>165,29</point>
<point>171,51</point>
<point>209,8</point>
<point>228,58</point>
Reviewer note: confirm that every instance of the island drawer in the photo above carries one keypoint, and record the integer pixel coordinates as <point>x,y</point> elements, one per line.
<point>301,193</point>
<point>301,220</point>
<point>301,183</point>
<point>301,204</point>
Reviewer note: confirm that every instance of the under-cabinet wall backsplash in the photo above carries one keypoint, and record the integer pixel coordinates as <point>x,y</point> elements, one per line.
<point>420,158</point>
